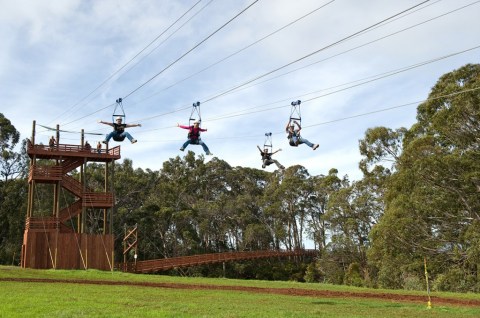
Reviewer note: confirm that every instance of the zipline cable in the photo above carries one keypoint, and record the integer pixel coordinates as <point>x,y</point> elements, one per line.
<point>263,38</point>
<point>355,83</point>
<point>238,87</point>
<point>261,76</point>
<point>193,48</point>
<point>315,52</point>
<point>352,49</point>
<point>224,93</point>
<point>348,117</point>
<point>168,37</point>
<point>66,131</point>
<point>171,64</point>
<point>133,58</point>
<point>363,82</point>
<point>241,50</point>
<point>352,84</point>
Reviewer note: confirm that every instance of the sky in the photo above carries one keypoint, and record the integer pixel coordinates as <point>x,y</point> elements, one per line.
<point>354,65</point>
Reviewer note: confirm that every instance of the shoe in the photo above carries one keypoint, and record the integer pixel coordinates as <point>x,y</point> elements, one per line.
<point>282,167</point>
<point>134,141</point>
<point>182,149</point>
<point>263,166</point>
<point>105,142</point>
<point>209,154</point>
<point>315,146</point>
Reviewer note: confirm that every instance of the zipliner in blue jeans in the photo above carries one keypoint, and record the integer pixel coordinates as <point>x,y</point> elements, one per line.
<point>118,136</point>
<point>194,137</point>
<point>119,133</point>
<point>294,135</point>
<point>196,142</point>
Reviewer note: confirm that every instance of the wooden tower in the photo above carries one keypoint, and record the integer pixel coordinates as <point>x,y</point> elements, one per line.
<point>60,240</point>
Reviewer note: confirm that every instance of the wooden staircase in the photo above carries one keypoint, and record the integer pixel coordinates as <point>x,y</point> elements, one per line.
<point>69,158</point>
<point>71,164</point>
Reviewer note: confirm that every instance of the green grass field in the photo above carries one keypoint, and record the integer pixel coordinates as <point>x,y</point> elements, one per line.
<point>68,299</point>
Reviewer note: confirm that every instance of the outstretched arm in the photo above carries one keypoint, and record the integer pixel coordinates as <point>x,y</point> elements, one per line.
<point>277,151</point>
<point>105,123</point>
<point>259,149</point>
<point>184,127</point>
<point>133,125</point>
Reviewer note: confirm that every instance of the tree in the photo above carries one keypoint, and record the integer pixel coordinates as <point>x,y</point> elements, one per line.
<point>13,195</point>
<point>12,164</point>
<point>294,193</point>
<point>323,188</point>
<point>432,200</point>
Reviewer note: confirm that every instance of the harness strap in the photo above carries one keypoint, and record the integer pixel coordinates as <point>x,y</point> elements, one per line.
<point>191,134</point>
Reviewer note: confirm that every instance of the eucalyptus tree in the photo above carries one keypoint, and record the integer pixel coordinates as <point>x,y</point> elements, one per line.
<point>13,163</point>
<point>432,199</point>
<point>13,191</point>
<point>292,196</point>
<point>173,206</point>
<point>256,227</point>
<point>216,229</point>
<point>323,188</point>
<point>351,214</point>
<point>131,187</point>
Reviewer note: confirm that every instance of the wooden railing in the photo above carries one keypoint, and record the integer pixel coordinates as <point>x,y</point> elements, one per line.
<point>47,223</point>
<point>115,151</point>
<point>194,260</point>
<point>64,149</point>
<point>72,185</point>
<point>98,199</point>
<point>45,173</point>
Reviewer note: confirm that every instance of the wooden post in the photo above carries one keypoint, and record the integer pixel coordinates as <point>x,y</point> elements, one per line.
<point>82,216</point>
<point>105,188</point>
<point>30,185</point>
<point>124,245</point>
<point>56,189</point>
<point>112,209</point>
<point>110,224</point>
<point>58,135</point>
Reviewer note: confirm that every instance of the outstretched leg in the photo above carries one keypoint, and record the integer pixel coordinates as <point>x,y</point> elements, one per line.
<point>278,164</point>
<point>109,136</point>
<point>127,134</point>
<point>115,135</point>
<point>185,144</point>
<point>205,148</point>
<point>308,143</point>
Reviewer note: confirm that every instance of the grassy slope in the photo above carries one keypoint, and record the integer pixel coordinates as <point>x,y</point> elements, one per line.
<point>21,299</point>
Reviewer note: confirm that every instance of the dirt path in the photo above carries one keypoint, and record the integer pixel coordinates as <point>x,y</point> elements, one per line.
<point>280,291</point>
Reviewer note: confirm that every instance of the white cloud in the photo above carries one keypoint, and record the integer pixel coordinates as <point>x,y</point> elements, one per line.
<point>56,53</point>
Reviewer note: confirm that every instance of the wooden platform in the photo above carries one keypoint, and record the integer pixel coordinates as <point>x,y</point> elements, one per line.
<point>67,151</point>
